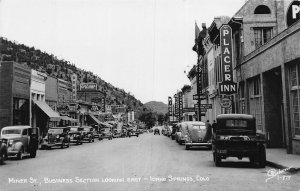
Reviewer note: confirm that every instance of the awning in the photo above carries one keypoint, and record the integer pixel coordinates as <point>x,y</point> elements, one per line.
<point>66,118</point>
<point>53,116</point>
<point>94,118</point>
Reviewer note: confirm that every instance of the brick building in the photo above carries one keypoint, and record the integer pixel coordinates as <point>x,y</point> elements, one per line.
<point>14,94</point>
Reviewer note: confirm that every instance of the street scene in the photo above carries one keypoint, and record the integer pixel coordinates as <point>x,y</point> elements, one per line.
<point>149,162</point>
<point>149,95</point>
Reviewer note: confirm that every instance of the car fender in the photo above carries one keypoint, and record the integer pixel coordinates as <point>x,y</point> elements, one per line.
<point>18,146</point>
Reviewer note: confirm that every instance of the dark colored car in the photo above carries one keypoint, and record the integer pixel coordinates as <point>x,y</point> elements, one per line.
<point>133,132</point>
<point>3,151</point>
<point>56,136</point>
<point>156,131</point>
<point>106,134</point>
<point>87,133</point>
<point>75,135</point>
<point>235,135</point>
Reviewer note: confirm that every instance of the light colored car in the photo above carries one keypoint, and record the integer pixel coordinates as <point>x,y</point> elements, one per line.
<point>181,133</point>
<point>169,131</point>
<point>21,140</point>
<point>198,134</point>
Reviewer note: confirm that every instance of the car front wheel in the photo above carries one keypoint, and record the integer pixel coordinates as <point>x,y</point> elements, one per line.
<point>262,157</point>
<point>2,157</point>
<point>20,154</point>
<point>217,159</point>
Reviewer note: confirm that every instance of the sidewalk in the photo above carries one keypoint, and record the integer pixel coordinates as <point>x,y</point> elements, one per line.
<point>278,158</point>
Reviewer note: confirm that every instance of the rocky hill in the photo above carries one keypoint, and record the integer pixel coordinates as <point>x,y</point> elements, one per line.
<point>158,107</point>
<point>63,69</point>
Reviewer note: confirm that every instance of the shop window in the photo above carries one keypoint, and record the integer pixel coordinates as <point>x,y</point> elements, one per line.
<point>262,9</point>
<point>20,111</point>
<point>262,35</point>
<point>255,104</point>
<point>294,97</point>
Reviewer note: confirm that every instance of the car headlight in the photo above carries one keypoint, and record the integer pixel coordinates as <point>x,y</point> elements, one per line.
<point>57,136</point>
<point>11,142</point>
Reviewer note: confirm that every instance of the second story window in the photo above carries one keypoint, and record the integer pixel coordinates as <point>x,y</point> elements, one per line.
<point>262,35</point>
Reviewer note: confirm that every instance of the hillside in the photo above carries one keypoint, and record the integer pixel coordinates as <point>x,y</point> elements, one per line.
<point>63,69</point>
<point>158,107</point>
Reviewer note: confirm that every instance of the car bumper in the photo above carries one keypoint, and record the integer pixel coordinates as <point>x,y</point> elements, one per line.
<point>198,144</point>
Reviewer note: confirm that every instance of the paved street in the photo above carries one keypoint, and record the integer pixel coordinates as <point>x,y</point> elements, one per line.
<point>149,162</point>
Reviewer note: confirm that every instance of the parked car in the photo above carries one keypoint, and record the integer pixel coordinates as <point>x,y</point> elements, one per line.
<point>96,131</point>
<point>181,133</point>
<point>169,131</point>
<point>235,136</point>
<point>56,136</point>
<point>133,132</point>
<point>198,134</point>
<point>3,151</point>
<point>21,140</point>
<point>106,134</point>
<point>87,133</point>
<point>117,133</point>
<point>156,131</point>
<point>75,135</point>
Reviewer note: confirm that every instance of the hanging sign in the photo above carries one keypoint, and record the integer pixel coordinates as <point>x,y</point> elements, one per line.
<point>293,13</point>
<point>227,86</point>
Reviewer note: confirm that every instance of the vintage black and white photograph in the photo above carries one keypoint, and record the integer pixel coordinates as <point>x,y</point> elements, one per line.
<point>149,95</point>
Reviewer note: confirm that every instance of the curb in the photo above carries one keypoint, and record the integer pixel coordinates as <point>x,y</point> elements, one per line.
<point>282,167</point>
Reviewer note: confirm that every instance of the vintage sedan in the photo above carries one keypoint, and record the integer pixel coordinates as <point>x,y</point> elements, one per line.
<point>106,134</point>
<point>87,133</point>
<point>21,140</point>
<point>3,151</point>
<point>56,137</point>
<point>181,133</point>
<point>169,131</point>
<point>235,136</point>
<point>198,134</point>
<point>75,135</point>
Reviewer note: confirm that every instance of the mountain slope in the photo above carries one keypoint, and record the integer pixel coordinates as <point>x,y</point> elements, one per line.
<point>158,107</point>
<point>63,69</point>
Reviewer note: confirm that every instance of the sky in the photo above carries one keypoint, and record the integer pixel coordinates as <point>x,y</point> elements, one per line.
<point>141,46</point>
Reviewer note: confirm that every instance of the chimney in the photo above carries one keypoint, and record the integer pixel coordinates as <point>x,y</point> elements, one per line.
<point>204,25</point>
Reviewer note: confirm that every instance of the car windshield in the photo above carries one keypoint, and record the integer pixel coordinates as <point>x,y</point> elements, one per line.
<point>73,129</point>
<point>87,129</point>
<point>11,131</point>
<point>55,131</point>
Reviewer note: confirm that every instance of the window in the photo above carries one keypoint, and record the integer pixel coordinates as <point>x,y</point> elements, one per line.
<point>262,9</point>
<point>294,97</point>
<point>262,35</point>
<point>24,132</point>
<point>20,111</point>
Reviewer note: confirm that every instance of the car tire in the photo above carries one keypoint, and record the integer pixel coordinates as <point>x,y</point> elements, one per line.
<point>217,159</point>
<point>187,147</point>
<point>20,154</point>
<point>90,140</point>
<point>62,145</point>
<point>33,154</point>
<point>68,145</point>
<point>252,159</point>
<point>2,157</point>
<point>262,157</point>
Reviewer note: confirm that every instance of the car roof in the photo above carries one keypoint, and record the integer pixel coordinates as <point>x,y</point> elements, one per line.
<point>59,128</point>
<point>17,127</point>
<point>235,116</point>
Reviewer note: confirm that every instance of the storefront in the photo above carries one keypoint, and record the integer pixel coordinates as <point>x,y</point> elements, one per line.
<point>14,94</point>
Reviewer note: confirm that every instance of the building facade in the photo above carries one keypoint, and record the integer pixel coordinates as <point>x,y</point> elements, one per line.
<point>14,94</point>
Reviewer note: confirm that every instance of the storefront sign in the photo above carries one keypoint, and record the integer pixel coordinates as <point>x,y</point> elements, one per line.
<point>88,86</point>
<point>225,102</point>
<point>180,104</point>
<point>227,86</point>
<point>170,106</point>
<point>74,87</point>
<point>189,109</point>
<point>293,13</point>
<point>94,108</point>
<point>103,105</point>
